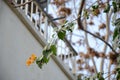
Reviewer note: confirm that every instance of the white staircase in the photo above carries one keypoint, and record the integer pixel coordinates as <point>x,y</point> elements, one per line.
<point>22,33</point>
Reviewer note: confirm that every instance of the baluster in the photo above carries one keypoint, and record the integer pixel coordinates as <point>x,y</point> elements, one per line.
<point>73,64</point>
<point>36,13</point>
<point>41,22</point>
<point>21,3</point>
<point>31,11</point>
<point>26,7</point>
<point>46,29</point>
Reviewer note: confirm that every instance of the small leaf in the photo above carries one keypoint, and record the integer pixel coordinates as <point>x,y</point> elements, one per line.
<point>45,60</point>
<point>117,22</point>
<point>95,7</point>
<point>114,6</point>
<point>115,33</point>
<point>39,61</point>
<point>85,14</point>
<point>118,77</point>
<point>61,34</point>
<point>46,53</point>
<point>54,49</point>
<point>107,8</point>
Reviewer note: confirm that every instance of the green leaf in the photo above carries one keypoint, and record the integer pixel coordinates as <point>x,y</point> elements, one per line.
<point>114,6</point>
<point>117,22</point>
<point>70,27</point>
<point>45,60</point>
<point>118,77</point>
<point>41,61</point>
<point>54,49</point>
<point>95,7</point>
<point>71,24</point>
<point>85,14</point>
<point>61,34</point>
<point>107,8</point>
<point>115,34</point>
<point>46,52</point>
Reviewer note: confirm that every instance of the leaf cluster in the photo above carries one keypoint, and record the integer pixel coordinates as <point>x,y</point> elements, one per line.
<point>51,48</point>
<point>97,76</point>
<point>46,53</point>
<point>116,34</point>
<point>66,27</point>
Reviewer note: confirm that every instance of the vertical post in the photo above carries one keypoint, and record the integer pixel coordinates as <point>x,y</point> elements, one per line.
<point>21,3</point>
<point>74,64</point>
<point>40,18</point>
<point>46,29</point>
<point>26,7</point>
<point>31,11</point>
<point>36,13</point>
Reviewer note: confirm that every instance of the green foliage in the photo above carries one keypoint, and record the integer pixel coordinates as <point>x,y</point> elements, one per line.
<point>66,27</point>
<point>114,6</point>
<point>46,53</point>
<point>51,48</point>
<point>118,68</point>
<point>61,34</point>
<point>95,7</point>
<point>100,76</point>
<point>118,73</point>
<point>54,49</point>
<point>107,8</point>
<point>97,76</point>
<point>116,34</point>
<point>85,14</point>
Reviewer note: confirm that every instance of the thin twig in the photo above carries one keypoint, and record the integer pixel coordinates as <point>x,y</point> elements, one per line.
<point>101,40</point>
<point>108,76</point>
<point>109,66</point>
<point>106,39</point>
<point>23,4</point>
<point>87,43</point>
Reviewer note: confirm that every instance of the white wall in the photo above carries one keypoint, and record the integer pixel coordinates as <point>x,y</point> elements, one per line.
<point>16,45</point>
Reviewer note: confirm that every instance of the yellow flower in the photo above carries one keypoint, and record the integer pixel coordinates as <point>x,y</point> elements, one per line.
<point>31,59</point>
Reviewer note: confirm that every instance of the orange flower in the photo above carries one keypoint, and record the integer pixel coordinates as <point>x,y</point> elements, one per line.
<point>33,56</point>
<point>28,62</point>
<point>31,59</point>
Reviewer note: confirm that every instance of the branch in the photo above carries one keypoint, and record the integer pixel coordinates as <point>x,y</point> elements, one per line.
<point>109,66</point>
<point>23,4</point>
<point>58,18</point>
<point>108,75</point>
<point>79,13</point>
<point>101,40</point>
<point>106,39</point>
<point>82,28</point>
